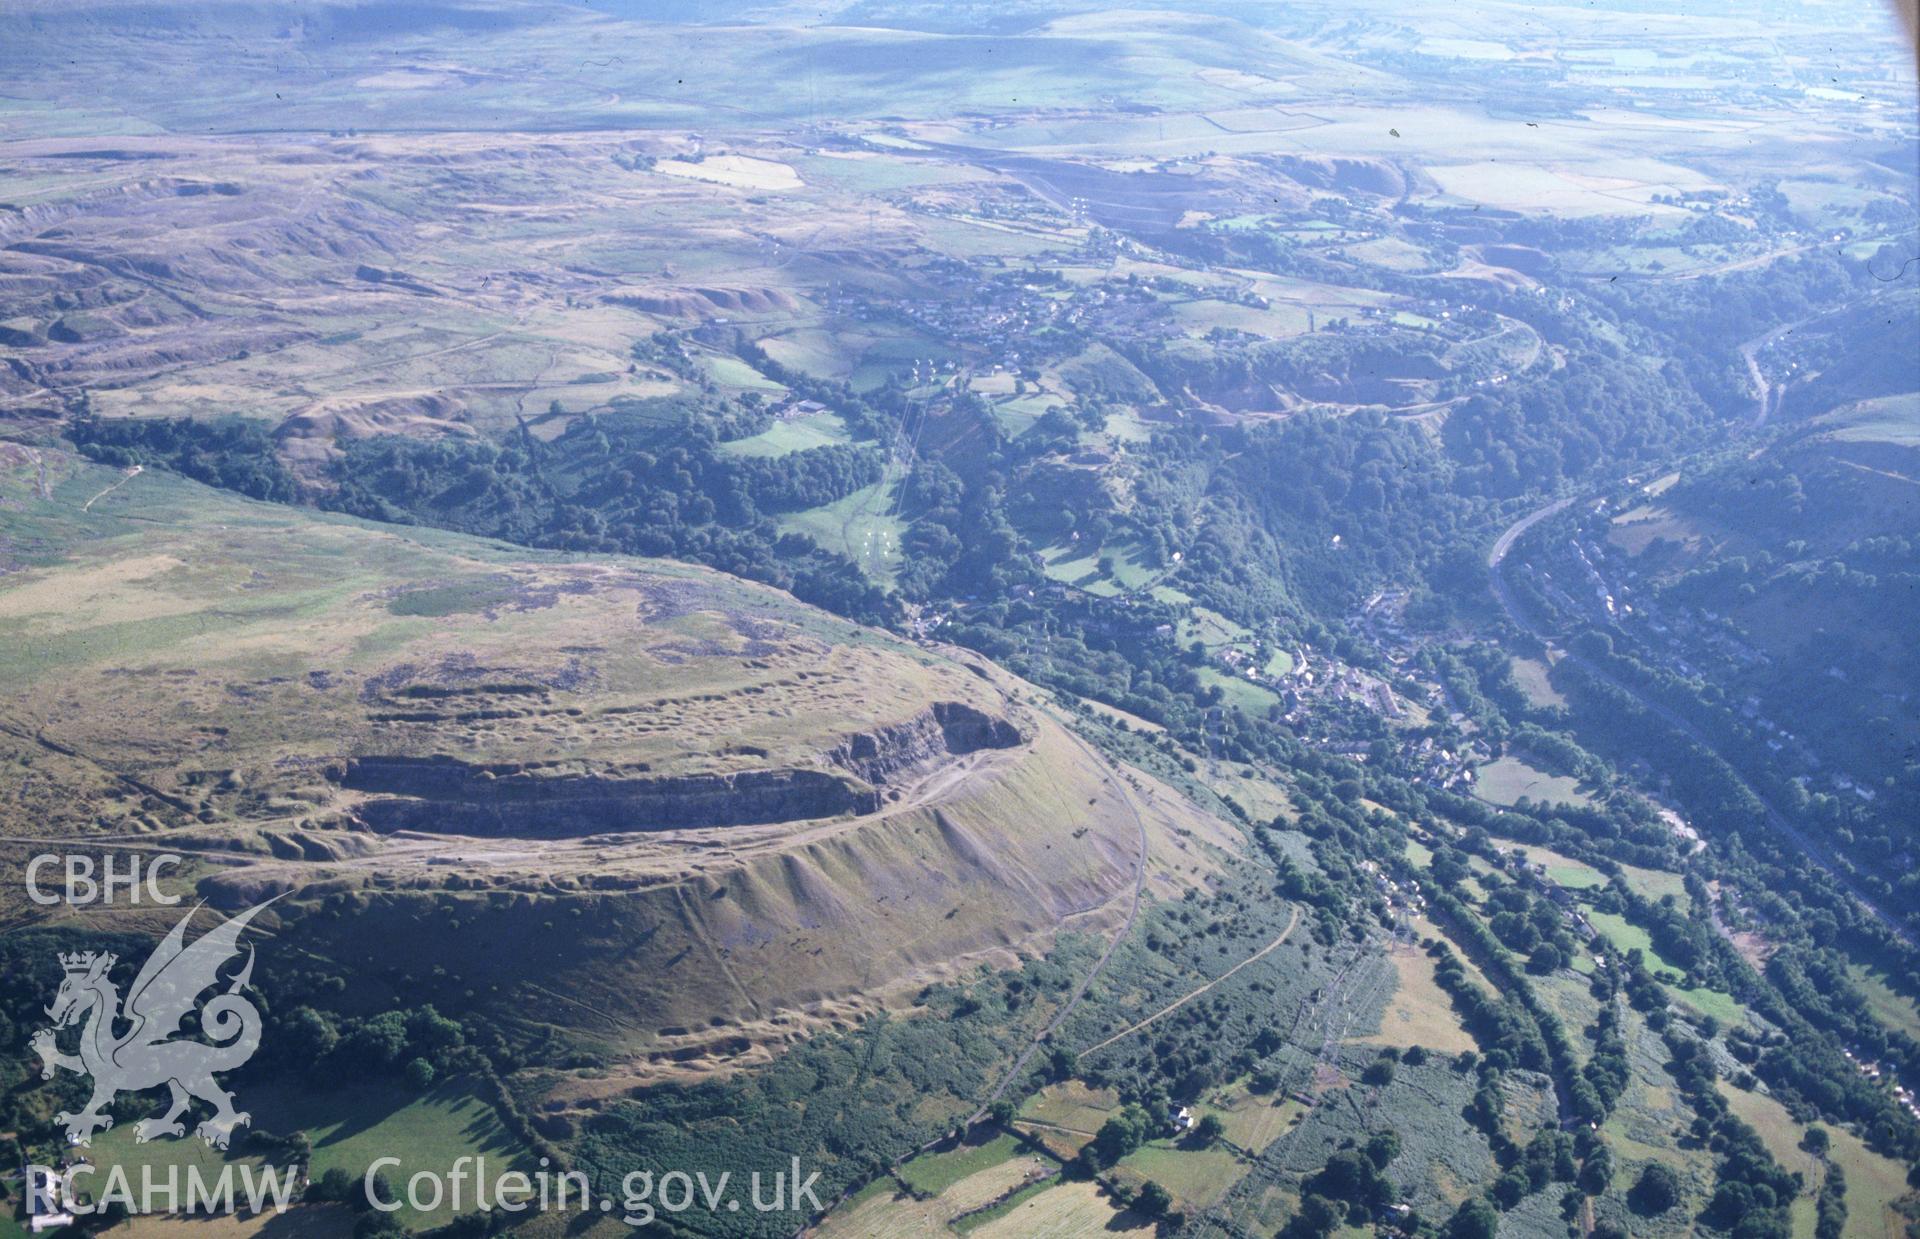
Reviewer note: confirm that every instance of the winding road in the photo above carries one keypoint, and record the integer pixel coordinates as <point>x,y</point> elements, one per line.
<point>1767,395</point>
<point>1814,850</point>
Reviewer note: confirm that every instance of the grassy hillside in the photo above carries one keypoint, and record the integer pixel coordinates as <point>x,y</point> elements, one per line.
<point>207,674</point>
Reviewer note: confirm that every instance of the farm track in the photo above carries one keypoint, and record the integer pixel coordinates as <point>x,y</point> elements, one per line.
<point>128,476</point>
<point>1293,920</point>
<point>1067,1008</point>
<point>1337,1009</point>
<point>1113,944</point>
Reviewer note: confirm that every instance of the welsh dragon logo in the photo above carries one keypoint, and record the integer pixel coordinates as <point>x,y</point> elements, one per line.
<point>148,1054</point>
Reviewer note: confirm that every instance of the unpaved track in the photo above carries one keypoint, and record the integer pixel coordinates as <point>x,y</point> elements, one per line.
<point>1293,919</point>
<point>1113,944</point>
<point>132,473</point>
<point>1066,1009</point>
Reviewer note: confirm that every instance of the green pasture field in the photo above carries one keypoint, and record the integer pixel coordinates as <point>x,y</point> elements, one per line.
<point>1654,884</point>
<point>862,526</point>
<point>1888,419</point>
<point>1505,780</point>
<point>1071,565</point>
<point>1627,936</point>
<point>1391,253</point>
<point>1211,629</point>
<point>1563,870</point>
<point>1781,1134</point>
<point>818,351</point>
<point>1251,1120</point>
<point>1276,322</point>
<point>792,435</point>
<point>1069,1210</point>
<point>732,372</point>
<point>1253,698</point>
<point>968,1223</point>
<point>1195,1176</point>
<point>871,172</point>
<point>1127,426</point>
<point>1071,1105</point>
<point>1532,676</point>
<point>1419,1012</point>
<point>933,1173</point>
<point>117,1148</point>
<point>1888,1005</point>
<point>350,1126</point>
<point>882,1211</point>
<point>1874,1183</point>
<point>1017,414</point>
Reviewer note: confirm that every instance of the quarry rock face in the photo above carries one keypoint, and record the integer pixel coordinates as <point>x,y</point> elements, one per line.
<point>445,795</point>
<point>945,729</point>
<point>451,797</point>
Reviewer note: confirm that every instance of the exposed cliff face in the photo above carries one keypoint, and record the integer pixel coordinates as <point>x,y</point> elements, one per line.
<point>448,796</point>
<point>673,962</point>
<point>944,729</point>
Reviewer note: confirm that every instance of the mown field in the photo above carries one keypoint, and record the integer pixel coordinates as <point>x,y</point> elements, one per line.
<point>349,1127</point>
<point>1626,936</point>
<point>1505,780</point>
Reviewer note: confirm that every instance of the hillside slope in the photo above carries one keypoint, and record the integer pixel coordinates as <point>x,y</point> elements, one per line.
<point>746,818</point>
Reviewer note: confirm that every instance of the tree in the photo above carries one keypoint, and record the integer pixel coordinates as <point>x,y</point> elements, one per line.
<point>336,1184</point>
<point>1474,1219</point>
<point>1153,1200</point>
<point>432,1035</point>
<point>1209,1129</point>
<point>1656,1191</point>
<point>1120,1135</point>
<point>1383,1147</point>
<point>375,1043</point>
<point>306,1037</point>
<point>109,1215</point>
<point>1379,1073</point>
<point>1596,1173</point>
<point>1344,1177</point>
<point>420,1075</point>
<point>1001,1112</point>
<point>1352,1176</point>
<point>370,1224</point>
<point>378,1187</point>
<point>1316,1219</point>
